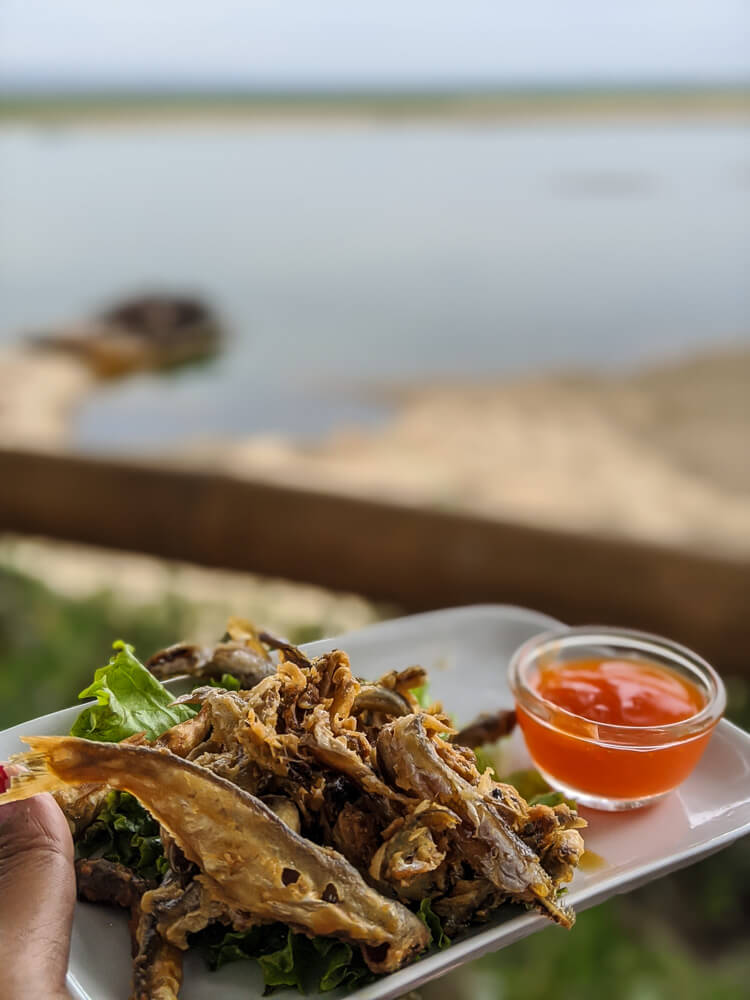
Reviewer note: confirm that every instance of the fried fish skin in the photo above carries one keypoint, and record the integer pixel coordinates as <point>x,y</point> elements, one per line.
<point>250,859</point>
<point>157,964</point>
<point>102,881</point>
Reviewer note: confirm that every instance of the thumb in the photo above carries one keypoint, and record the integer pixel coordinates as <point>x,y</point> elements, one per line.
<point>37,894</point>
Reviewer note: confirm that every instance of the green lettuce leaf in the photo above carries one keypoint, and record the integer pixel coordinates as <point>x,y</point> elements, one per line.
<point>433,924</point>
<point>422,695</point>
<point>551,799</point>
<point>535,789</point>
<point>220,946</point>
<point>339,965</point>
<point>285,966</point>
<point>124,831</point>
<point>484,761</point>
<point>228,682</point>
<point>129,700</point>
<point>285,958</point>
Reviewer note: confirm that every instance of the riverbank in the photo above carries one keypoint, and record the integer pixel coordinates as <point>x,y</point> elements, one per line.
<point>39,394</point>
<point>658,454</point>
<point>295,107</point>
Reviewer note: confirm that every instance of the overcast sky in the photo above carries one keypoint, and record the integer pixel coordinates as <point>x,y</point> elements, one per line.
<point>288,42</point>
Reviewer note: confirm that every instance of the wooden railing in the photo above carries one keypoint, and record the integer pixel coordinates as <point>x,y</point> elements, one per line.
<point>419,558</point>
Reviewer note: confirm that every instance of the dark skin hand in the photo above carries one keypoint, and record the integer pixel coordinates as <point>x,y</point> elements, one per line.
<point>37,894</point>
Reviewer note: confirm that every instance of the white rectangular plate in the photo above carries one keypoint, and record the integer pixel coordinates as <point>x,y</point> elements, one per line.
<point>466,651</point>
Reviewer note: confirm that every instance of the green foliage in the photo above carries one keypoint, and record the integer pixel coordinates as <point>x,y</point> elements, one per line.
<point>228,682</point>
<point>285,966</point>
<point>707,905</point>
<point>484,762</point>
<point>129,700</point>
<point>422,694</point>
<point>220,946</point>
<point>285,958</point>
<point>50,645</point>
<point>613,951</point>
<point>123,831</point>
<point>314,964</point>
<point>532,786</point>
<point>433,924</point>
<point>339,965</point>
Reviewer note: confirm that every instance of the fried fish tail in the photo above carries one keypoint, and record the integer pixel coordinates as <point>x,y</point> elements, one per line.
<point>29,775</point>
<point>251,861</point>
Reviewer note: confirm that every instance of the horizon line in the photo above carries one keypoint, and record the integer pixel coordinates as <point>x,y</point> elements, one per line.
<point>58,89</point>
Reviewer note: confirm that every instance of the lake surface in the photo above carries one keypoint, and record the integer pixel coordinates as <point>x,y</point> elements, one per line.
<point>338,252</point>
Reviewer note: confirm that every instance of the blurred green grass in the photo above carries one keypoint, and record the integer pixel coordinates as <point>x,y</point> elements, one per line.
<point>51,645</point>
<point>684,936</point>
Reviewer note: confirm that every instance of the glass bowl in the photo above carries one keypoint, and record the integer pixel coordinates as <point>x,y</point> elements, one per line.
<point>602,765</point>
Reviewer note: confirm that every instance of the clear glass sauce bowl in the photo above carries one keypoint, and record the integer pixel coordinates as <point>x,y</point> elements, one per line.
<point>599,764</point>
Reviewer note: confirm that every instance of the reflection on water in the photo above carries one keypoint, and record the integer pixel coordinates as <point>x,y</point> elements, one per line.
<point>381,251</point>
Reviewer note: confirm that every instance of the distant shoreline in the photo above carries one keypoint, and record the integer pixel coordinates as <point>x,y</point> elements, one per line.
<point>688,103</point>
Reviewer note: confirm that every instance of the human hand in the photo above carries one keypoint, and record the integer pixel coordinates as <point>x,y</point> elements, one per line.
<point>37,894</point>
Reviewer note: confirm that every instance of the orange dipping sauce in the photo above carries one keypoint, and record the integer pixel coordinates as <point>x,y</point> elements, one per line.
<point>582,752</point>
<point>620,692</point>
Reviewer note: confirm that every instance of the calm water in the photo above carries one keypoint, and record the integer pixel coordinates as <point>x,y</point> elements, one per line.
<point>338,252</point>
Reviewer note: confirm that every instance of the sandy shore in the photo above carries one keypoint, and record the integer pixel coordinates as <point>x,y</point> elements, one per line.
<point>661,454</point>
<point>38,394</point>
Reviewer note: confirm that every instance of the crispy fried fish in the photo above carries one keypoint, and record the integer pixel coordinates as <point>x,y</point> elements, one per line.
<point>250,860</point>
<point>486,840</point>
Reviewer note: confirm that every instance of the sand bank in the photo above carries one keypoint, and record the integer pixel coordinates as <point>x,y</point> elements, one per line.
<point>661,454</point>
<point>39,392</point>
